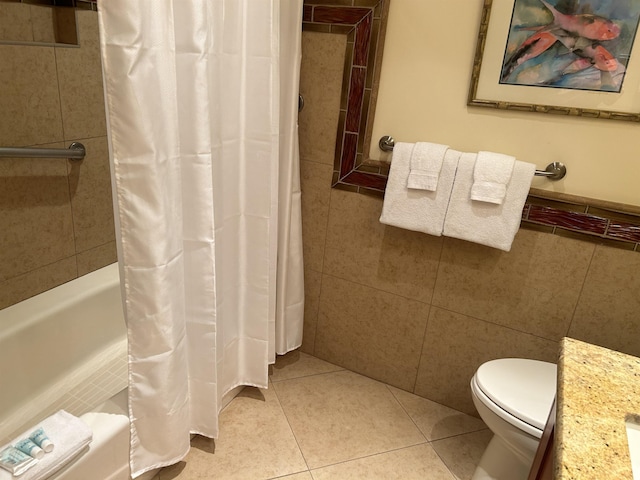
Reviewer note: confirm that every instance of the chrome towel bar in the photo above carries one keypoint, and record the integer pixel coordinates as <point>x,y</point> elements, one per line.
<point>554,171</point>
<point>75,152</point>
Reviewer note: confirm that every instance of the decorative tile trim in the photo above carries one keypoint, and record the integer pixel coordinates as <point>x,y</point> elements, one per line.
<point>607,223</point>
<point>364,23</point>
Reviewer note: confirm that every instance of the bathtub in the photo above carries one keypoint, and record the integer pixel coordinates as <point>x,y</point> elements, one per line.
<point>67,349</point>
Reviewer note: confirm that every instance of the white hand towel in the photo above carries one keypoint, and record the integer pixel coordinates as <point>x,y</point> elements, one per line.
<point>491,176</point>
<point>70,437</point>
<point>426,163</point>
<point>418,210</point>
<point>486,223</point>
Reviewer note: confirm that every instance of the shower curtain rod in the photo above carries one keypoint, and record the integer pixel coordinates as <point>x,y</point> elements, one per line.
<point>554,171</point>
<point>75,152</point>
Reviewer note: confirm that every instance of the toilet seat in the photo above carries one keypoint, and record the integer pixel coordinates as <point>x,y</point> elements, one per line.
<point>520,391</point>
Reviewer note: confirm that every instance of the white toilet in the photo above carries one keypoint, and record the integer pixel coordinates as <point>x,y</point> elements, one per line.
<point>513,396</point>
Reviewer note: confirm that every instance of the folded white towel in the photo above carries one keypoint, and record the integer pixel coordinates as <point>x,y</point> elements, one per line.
<point>70,436</point>
<point>486,223</point>
<point>419,210</point>
<point>426,163</point>
<point>491,176</point>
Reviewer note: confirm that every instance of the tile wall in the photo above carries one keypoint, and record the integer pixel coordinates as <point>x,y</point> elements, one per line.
<point>56,219</point>
<point>421,312</point>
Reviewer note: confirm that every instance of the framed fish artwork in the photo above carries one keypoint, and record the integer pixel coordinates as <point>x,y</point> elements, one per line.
<point>569,57</point>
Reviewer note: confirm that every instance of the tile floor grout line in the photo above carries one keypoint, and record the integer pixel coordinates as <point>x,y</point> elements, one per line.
<point>309,376</point>
<point>275,392</point>
<point>407,413</point>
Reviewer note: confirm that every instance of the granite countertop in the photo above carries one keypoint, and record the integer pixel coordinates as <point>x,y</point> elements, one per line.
<point>597,390</point>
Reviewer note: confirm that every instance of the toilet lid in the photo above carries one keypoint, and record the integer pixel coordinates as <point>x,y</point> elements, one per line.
<point>524,388</point>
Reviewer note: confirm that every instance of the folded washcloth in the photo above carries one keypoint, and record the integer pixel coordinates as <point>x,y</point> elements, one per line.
<point>491,176</point>
<point>419,210</point>
<point>70,437</point>
<point>487,223</point>
<point>426,163</point>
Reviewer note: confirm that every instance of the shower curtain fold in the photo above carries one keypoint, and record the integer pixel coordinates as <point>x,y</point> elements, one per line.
<point>202,116</point>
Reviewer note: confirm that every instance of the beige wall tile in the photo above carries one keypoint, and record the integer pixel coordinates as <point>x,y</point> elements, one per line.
<point>37,281</point>
<point>371,332</point>
<point>30,102</point>
<point>412,463</point>
<point>90,186</point>
<point>315,182</point>
<point>35,214</point>
<point>96,258</point>
<point>15,22</point>
<point>341,416</point>
<point>42,20</point>
<point>361,249</point>
<point>456,345</point>
<point>608,311</point>
<point>80,74</point>
<point>312,283</point>
<point>320,85</point>
<point>534,288</point>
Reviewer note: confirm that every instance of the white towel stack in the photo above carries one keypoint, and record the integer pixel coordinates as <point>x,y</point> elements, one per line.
<point>487,223</point>
<point>70,435</point>
<point>413,209</point>
<point>473,197</point>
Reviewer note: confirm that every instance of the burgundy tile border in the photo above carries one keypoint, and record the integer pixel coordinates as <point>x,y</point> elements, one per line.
<point>364,23</point>
<point>566,217</point>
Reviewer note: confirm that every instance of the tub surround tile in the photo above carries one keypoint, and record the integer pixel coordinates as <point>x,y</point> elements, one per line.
<point>15,22</point>
<point>31,106</point>
<point>37,281</point>
<point>90,187</point>
<point>315,183</point>
<point>255,441</point>
<point>80,74</point>
<point>361,249</point>
<point>342,416</point>
<point>607,313</point>
<point>533,289</point>
<point>298,364</point>
<point>456,345</point>
<point>413,463</point>
<point>370,332</point>
<point>320,85</point>
<point>461,454</point>
<point>35,214</point>
<point>436,421</point>
<point>96,258</point>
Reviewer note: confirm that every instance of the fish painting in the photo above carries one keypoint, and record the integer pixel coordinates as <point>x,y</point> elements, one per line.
<point>579,44</point>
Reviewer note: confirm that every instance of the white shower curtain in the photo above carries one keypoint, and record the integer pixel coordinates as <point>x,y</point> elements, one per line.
<point>202,116</point>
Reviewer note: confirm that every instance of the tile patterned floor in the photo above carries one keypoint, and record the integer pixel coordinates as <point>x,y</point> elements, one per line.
<point>318,421</point>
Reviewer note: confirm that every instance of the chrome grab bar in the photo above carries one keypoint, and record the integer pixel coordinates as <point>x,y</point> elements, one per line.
<point>75,152</point>
<point>554,171</point>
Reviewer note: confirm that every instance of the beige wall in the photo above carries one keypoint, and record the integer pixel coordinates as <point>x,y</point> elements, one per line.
<point>56,219</point>
<point>422,312</point>
<point>424,83</point>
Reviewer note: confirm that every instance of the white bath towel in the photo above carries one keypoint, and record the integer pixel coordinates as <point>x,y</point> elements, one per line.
<point>491,175</point>
<point>426,163</point>
<point>70,436</point>
<point>487,223</point>
<point>419,210</point>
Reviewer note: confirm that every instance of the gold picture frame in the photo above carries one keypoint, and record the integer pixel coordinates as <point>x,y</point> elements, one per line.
<point>488,88</point>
